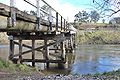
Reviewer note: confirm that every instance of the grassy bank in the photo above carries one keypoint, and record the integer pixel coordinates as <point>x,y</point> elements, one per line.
<point>10,71</point>
<point>13,68</point>
<point>98,37</point>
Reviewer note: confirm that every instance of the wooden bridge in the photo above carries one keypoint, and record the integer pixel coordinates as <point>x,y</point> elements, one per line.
<point>53,32</point>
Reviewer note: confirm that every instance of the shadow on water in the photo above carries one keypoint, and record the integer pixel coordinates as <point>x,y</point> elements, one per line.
<point>54,69</point>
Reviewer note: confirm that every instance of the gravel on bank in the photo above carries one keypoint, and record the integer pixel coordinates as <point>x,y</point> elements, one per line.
<point>114,75</point>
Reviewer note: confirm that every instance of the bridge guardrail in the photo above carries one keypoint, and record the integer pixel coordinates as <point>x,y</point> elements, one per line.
<point>52,16</point>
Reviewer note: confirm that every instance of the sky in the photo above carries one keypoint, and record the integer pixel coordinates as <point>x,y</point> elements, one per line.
<point>67,8</point>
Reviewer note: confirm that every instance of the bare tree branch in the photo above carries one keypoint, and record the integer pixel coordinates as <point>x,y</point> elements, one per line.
<point>115,12</point>
<point>108,6</point>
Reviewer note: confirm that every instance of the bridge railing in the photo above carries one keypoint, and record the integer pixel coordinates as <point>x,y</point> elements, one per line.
<point>49,14</point>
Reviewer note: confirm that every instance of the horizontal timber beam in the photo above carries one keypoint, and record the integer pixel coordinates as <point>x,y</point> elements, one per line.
<point>41,60</point>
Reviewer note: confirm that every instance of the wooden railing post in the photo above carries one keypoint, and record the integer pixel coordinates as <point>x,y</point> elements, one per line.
<point>63,50</point>
<point>64,25</point>
<point>50,19</point>
<point>38,15</point>
<point>56,21</point>
<point>61,23</point>
<point>12,20</point>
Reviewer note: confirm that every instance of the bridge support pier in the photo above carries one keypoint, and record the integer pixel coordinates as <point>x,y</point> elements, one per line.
<point>70,43</point>
<point>33,53</point>
<point>11,49</point>
<point>20,51</point>
<point>46,54</point>
<point>51,54</point>
<point>63,50</point>
<point>21,26</point>
<point>63,55</point>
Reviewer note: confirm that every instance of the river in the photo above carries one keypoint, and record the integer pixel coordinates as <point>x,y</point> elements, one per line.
<point>88,58</point>
<point>96,58</point>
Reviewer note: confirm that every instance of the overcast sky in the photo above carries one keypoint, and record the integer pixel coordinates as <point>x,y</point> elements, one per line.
<point>67,8</point>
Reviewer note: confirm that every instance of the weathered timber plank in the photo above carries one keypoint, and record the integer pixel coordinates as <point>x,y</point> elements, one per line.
<point>3,22</point>
<point>20,25</point>
<point>7,8</point>
<point>56,55</point>
<point>24,21</point>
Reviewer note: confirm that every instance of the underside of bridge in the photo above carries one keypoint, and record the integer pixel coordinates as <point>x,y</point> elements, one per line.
<point>56,37</point>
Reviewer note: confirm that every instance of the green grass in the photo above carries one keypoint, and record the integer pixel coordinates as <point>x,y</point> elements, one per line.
<point>98,37</point>
<point>11,67</point>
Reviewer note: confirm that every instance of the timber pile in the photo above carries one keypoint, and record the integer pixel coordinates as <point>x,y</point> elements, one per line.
<point>24,21</point>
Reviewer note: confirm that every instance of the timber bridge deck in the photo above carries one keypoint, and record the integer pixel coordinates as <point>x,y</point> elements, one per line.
<point>54,32</point>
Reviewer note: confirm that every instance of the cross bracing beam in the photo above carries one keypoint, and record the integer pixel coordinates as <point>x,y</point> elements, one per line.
<point>24,45</point>
<point>38,48</point>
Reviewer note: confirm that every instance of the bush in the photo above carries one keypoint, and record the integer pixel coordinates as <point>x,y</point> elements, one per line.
<point>1,64</point>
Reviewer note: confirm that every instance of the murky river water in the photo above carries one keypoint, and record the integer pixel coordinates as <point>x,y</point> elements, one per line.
<point>96,58</point>
<point>88,58</point>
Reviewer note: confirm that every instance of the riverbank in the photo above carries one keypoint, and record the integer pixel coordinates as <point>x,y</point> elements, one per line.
<point>10,71</point>
<point>114,75</point>
<point>98,37</point>
<point>4,40</point>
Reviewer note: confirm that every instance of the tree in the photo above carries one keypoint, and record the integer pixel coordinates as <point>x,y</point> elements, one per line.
<point>103,20</point>
<point>115,20</point>
<point>105,6</point>
<point>86,17</point>
<point>82,16</point>
<point>94,16</point>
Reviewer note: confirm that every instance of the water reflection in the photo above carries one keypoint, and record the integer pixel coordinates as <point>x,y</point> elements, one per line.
<point>4,52</point>
<point>96,58</point>
<point>87,58</point>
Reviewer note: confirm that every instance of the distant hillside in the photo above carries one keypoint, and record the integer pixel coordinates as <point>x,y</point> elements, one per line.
<point>98,37</point>
<point>84,26</point>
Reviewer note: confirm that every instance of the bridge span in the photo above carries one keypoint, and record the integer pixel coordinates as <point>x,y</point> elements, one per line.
<point>47,26</point>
